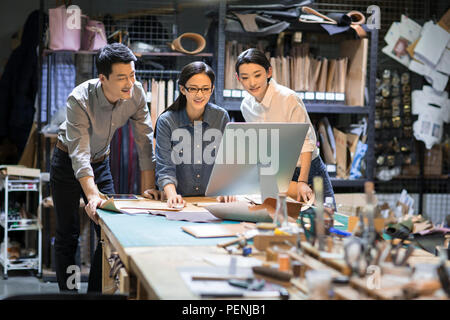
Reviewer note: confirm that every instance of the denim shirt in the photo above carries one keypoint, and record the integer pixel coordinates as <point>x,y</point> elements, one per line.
<point>181,145</point>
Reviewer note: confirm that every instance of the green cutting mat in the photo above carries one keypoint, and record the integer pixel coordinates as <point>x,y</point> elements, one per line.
<point>144,230</point>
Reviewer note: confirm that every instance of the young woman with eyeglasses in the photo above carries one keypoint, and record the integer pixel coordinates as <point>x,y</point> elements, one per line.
<point>182,138</point>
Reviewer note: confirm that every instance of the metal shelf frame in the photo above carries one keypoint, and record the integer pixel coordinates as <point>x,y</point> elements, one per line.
<point>233,104</point>
<point>23,263</point>
<point>138,54</point>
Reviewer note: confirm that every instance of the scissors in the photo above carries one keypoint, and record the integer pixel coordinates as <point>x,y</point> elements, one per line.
<point>310,233</point>
<point>443,274</point>
<point>398,259</point>
<point>355,255</point>
<point>359,253</point>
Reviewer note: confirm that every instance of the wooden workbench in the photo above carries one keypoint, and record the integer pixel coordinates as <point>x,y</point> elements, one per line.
<point>145,244</point>
<point>152,249</point>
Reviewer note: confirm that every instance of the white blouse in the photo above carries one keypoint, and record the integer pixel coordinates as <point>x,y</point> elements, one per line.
<point>280,104</point>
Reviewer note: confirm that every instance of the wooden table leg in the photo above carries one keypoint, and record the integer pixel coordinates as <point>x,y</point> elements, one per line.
<point>107,283</point>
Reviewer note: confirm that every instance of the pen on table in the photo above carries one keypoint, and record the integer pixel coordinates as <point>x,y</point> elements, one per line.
<point>219,278</point>
<point>282,293</point>
<point>251,201</point>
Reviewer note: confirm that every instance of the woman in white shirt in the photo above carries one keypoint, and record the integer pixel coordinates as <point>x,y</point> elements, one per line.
<point>270,102</point>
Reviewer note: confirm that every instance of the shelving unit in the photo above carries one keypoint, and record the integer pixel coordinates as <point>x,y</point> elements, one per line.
<point>231,99</point>
<point>138,54</point>
<point>143,32</point>
<point>166,32</point>
<point>21,184</point>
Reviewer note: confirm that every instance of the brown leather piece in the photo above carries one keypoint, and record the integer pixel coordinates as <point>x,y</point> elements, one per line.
<point>248,21</point>
<point>198,39</point>
<point>357,20</point>
<point>309,10</point>
<point>270,204</point>
<point>357,17</point>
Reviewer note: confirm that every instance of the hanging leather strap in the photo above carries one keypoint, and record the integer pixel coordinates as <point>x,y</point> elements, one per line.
<point>98,30</point>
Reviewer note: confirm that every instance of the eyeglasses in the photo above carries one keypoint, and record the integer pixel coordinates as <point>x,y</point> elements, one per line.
<point>196,90</point>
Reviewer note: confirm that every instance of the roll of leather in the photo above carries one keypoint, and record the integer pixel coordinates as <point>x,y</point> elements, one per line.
<point>357,17</point>
<point>272,273</point>
<point>197,38</point>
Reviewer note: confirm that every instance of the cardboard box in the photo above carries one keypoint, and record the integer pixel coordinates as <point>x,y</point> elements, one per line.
<point>351,67</point>
<point>352,143</point>
<point>445,21</point>
<point>353,222</point>
<point>356,51</point>
<point>341,154</point>
<point>349,203</point>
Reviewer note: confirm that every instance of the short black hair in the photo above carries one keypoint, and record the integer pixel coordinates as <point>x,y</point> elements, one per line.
<point>110,54</point>
<point>252,55</point>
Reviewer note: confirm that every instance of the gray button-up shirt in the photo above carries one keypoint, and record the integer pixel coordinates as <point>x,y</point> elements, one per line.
<point>191,178</point>
<point>92,120</point>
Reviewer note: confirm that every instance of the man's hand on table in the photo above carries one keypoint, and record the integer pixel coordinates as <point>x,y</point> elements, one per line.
<point>154,194</point>
<point>91,207</point>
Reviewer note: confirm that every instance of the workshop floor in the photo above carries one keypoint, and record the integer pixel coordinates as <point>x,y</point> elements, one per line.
<point>26,283</point>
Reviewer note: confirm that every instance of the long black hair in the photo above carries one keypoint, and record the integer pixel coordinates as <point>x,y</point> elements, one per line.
<point>186,73</point>
<point>252,55</point>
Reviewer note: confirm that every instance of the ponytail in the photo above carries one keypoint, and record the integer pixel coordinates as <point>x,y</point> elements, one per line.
<point>177,105</point>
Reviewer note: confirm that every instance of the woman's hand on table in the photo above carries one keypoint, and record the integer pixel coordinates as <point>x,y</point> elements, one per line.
<point>304,192</point>
<point>175,201</point>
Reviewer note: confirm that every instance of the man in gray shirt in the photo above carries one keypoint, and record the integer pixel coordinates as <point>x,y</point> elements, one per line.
<point>80,162</point>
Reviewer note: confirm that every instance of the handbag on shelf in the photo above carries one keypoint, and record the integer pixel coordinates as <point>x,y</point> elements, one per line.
<point>64,35</point>
<point>93,36</point>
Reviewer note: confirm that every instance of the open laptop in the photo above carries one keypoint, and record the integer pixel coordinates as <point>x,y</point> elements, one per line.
<point>256,158</point>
